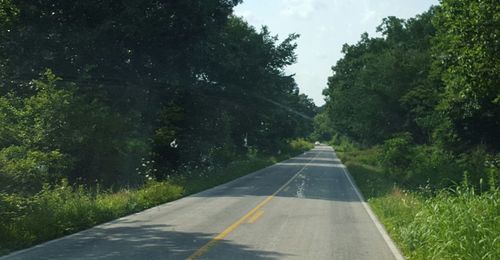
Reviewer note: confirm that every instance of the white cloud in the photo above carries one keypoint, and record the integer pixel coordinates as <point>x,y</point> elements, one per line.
<point>326,29</point>
<point>368,15</point>
<point>302,8</point>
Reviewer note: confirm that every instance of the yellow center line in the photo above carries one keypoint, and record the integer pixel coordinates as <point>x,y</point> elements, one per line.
<point>255,216</point>
<point>202,250</point>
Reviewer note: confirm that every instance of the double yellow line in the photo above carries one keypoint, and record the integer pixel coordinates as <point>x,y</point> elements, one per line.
<point>202,250</point>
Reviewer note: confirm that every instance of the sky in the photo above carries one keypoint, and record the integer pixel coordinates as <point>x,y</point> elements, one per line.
<point>324,26</point>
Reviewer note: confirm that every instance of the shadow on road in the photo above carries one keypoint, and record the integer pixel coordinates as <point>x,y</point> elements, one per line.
<point>321,176</point>
<point>131,240</point>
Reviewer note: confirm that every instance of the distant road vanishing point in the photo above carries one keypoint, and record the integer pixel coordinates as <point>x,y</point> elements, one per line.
<point>306,207</point>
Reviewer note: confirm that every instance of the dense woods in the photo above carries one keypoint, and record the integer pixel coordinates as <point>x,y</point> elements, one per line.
<point>428,86</point>
<point>89,88</point>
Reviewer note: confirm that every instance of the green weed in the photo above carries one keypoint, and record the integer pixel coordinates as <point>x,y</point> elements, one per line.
<point>65,209</point>
<point>451,223</point>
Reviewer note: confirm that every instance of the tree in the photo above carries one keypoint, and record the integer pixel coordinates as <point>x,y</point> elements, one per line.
<point>382,87</point>
<point>177,82</point>
<point>466,51</point>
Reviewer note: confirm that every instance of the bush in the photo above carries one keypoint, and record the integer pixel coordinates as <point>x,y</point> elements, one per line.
<point>55,132</point>
<point>416,166</point>
<point>432,166</point>
<point>342,143</point>
<point>299,145</point>
<point>482,169</point>
<point>435,168</point>
<point>397,153</point>
<point>155,193</point>
<point>23,170</point>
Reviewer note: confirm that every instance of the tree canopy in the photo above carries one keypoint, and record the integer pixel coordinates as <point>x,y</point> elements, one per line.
<point>434,76</point>
<point>89,88</point>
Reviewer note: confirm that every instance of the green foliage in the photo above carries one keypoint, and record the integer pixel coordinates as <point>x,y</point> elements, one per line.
<point>397,153</point>
<point>323,130</point>
<point>55,133</point>
<point>468,221</point>
<point>389,80</point>
<point>136,95</point>
<point>466,50</point>
<point>188,83</point>
<point>435,76</point>
<point>452,225</point>
<point>433,167</point>
<point>342,143</point>
<point>455,223</point>
<point>369,177</point>
<point>428,91</point>
<point>25,171</point>
<point>63,208</point>
<point>299,145</point>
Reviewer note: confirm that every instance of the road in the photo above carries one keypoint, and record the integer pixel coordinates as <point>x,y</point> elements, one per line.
<point>306,207</point>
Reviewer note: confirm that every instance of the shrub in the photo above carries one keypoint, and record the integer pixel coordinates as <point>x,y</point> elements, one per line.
<point>155,193</point>
<point>397,153</point>
<point>23,170</point>
<point>483,169</point>
<point>432,166</point>
<point>299,145</point>
<point>342,143</point>
<point>437,168</point>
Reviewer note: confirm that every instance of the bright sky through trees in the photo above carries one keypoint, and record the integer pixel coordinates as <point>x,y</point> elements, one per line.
<point>324,26</point>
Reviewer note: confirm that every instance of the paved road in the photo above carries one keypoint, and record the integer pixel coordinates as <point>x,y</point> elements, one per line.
<point>302,208</point>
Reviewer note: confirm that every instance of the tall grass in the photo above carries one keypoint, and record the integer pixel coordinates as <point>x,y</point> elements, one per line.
<point>452,223</point>
<point>64,209</point>
<point>456,224</point>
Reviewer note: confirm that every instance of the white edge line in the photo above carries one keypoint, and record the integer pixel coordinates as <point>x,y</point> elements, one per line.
<point>392,246</point>
<point>90,229</point>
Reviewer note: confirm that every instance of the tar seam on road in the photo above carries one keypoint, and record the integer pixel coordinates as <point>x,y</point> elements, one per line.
<point>395,251</point>
<point>202,250</point>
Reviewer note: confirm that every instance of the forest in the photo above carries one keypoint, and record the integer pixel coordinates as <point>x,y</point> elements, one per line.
<point>110,107</point>
<point>430,82</point>
<point>415,115</point>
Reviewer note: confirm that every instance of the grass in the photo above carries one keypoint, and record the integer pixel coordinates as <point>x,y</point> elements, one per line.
<point>453,223</point>
<point>65,209</point>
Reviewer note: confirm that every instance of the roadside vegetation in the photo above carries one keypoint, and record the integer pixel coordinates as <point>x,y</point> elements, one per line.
<point>63,208</point>
<point>458,222</point>
<point>414,115</point>
<point>111,107</point>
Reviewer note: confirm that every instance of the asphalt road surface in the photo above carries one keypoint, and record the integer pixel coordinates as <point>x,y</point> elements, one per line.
<point>304,208</point>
